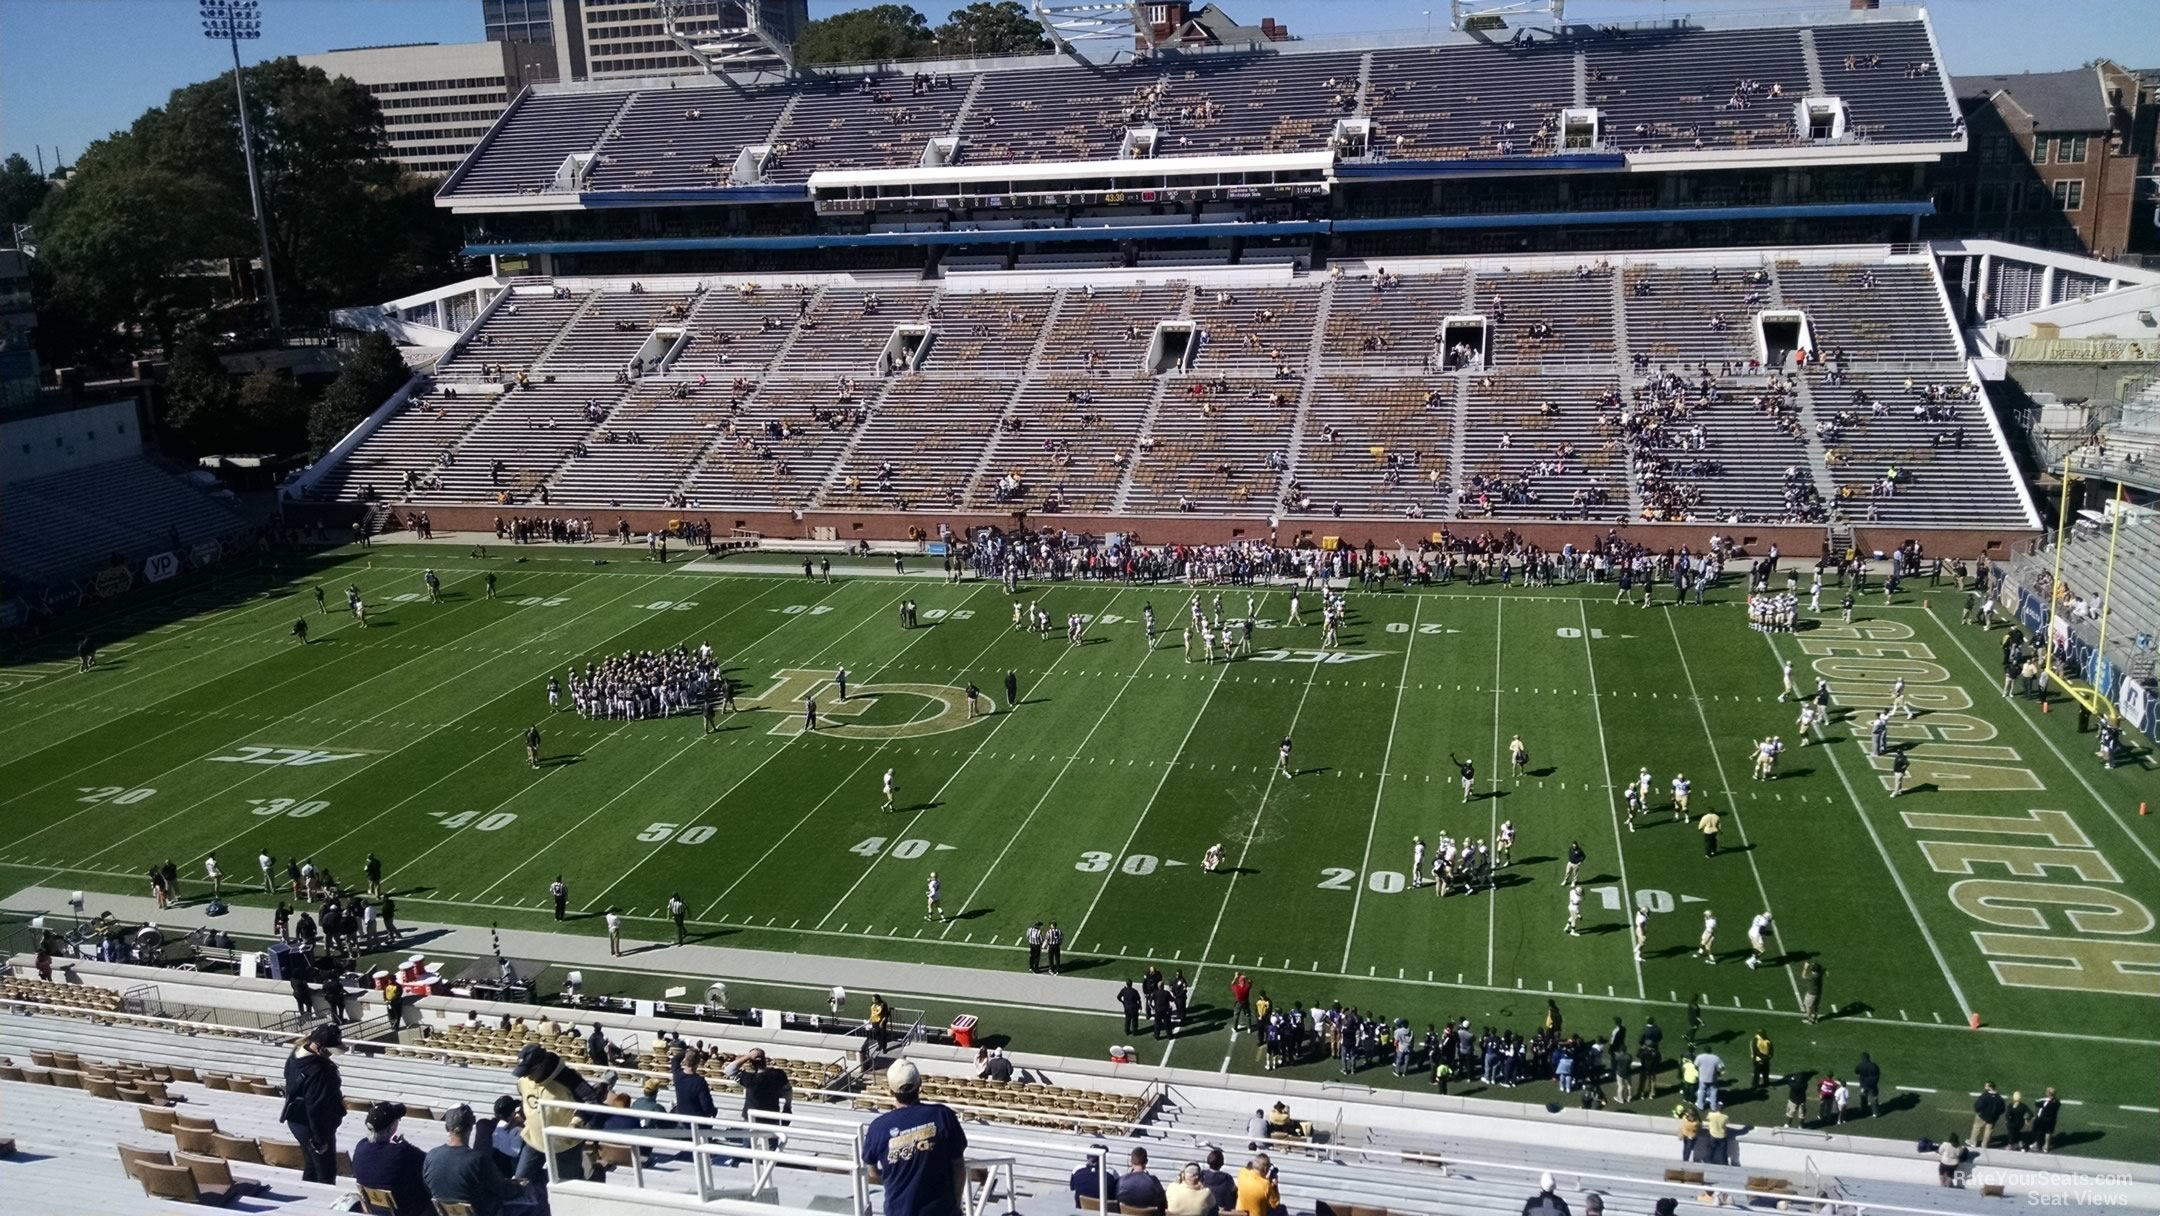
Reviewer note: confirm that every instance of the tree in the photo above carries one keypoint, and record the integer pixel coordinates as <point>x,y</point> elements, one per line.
<point>21,190</point>
<point>199,394</point>
<point>117,248</point>
<point>270,414</point>
<point>133,241</point>
<point>373,372</point>
<point>985,29</point>
<point>881,33</point>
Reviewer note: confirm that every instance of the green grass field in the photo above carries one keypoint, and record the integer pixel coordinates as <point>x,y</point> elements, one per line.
<point>2012,879</point>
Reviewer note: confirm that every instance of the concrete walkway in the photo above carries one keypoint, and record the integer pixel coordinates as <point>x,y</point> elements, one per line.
<point>860,977</point>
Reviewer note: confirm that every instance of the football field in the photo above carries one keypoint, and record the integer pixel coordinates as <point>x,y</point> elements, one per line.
<point>2012,879</point>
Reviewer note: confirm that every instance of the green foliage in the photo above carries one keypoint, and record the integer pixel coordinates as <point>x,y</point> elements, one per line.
<point>988,28</point>
<point>369,377</point>
<point>21,190</point>
<point>878,34</point>
<point>270,414</point>
<point>134,241</point>
<point>199,394</point>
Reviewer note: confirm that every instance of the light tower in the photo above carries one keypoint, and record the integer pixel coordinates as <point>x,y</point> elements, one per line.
<point>234,22</point>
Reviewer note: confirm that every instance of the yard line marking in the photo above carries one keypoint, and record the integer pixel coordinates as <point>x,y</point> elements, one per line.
<point>1168,768</point>
<point>1492,893</point>
<point>1717,757</point>
<point>1387,757</point>
<point>2106,806</point>
<point>345,690</point>
<point>187,721</point>
<point>1896,877</point>
<point>988,735</point>
<point>2142,1110</point>
<point>1612,806</point>
<point>1013,837</point>
<point>777,752</point>
<point>486,753</point>
<point>1252,830</point>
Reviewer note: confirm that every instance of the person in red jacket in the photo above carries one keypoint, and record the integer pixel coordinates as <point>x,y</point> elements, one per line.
<point>1241,996</point>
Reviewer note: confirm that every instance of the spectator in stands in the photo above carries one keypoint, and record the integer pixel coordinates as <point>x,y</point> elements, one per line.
<point>693,1094</point>
<point>1257,1193</point>
<point>460,1172</point>
<point>1189,1195</point>
<point>917,1151</point>
<point>1547,1202</point>
<point>315,1102</point>
<point>1219,1181</point>
<point>767,1092</point>
<point>1138,1188</point>
<point>1087,1181</point>
<point>385,1162</point>
<point>506,1135</point>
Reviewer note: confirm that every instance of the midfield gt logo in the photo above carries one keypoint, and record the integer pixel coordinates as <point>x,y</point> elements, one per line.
<point>793,684</point>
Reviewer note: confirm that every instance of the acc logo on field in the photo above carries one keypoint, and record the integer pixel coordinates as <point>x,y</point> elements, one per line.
<point>792,684</point>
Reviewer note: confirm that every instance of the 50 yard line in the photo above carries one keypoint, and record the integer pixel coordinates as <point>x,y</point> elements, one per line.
<point>1732,800</point>
<point>1612,809</point>
<point>1492,893</point>
<point>1387,757</point>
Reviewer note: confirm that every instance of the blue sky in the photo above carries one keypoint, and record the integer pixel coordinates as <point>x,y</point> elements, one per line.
<point>75,70</point>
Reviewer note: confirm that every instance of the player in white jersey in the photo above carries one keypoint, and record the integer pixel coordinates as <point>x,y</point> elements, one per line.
<point>1642,931</point>
<point>1329,638</point>
<point>265,861</point>
<point>1439,875</point>
<point>1757,934</point>
<point>1574,911</point>
<point>1147,617</point>
<point>1295,618</point>
<point>933,897</point>
<point>1807,723</point>
<point>1680,789</point>
<point>1765,759</point>
<point>1788,690</point>
<point>1504,844</point>
<point>1898,699</point>
<point>1417,861</point>
<point>1207,640</point>
<point>1211,860</point>
<point>1519,755</point>
<point>1017,625</point>
<point>1708,945</point>
<point>1282,761</point>
<point>888,789</point>
<point>554,693</point>
<point>1642,787</point>
<point>1814,599</point>
<point>1218,607</point>
<point>1634,804</point>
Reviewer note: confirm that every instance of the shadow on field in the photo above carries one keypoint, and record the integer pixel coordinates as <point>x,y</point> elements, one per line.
<point>972,914</point>
<point>567,758</point>
<point>1083,963</point>
<point>1547,771</point>
<point>1311,772</point>
<point>1540,859</point>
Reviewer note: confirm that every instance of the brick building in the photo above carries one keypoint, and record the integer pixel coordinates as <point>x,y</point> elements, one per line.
<point>2054,159</point>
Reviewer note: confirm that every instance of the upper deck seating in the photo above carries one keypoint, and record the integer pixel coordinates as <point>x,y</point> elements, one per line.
<point>1888,78</point>
<point>1548,318</point>
<point>1450,103</point>
<point>1389,322</point>
<point>1689,88</point>
<point>1107,329</point>
<point>605,337</point>
<point>1261,329</point>
<point>1683,316</point>
<point>680,139</point>
<point>1877,314</point>
<point>513,336</point>
<point>736,330</point>
<point>863,123</point>
<point>993,331</point>
<point>532,139</point>
<point>847,327</point>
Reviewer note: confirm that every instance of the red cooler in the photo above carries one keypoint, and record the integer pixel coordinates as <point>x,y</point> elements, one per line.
<point>963,1030</point>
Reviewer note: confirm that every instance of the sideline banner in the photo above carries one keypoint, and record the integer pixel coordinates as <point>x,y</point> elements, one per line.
<point>2136,702</point>
<point>160,566</point>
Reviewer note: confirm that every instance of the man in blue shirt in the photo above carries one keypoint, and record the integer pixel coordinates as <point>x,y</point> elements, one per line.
<point>385,1162</point>
<point>917,1150</point>
<point>693,1094</point>
<point>1140,1189</point>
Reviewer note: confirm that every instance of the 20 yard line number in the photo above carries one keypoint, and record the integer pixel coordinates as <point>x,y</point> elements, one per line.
<point>1381,882</point>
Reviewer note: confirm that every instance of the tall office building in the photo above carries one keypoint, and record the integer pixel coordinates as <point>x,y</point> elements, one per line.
<point>439,99</point>
<point>519,20</point>
<point>613,39</point>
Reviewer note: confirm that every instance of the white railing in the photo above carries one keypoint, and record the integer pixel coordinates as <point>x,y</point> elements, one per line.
<point>766,1141</point>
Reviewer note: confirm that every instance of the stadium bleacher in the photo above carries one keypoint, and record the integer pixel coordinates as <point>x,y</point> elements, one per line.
<point>1657,88</point>
<point>90,1095</point>
<point>1296,393</point>
<point>125,509</point>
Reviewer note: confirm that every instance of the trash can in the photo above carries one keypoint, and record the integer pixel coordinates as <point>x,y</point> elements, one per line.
<point>963,1030</point>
